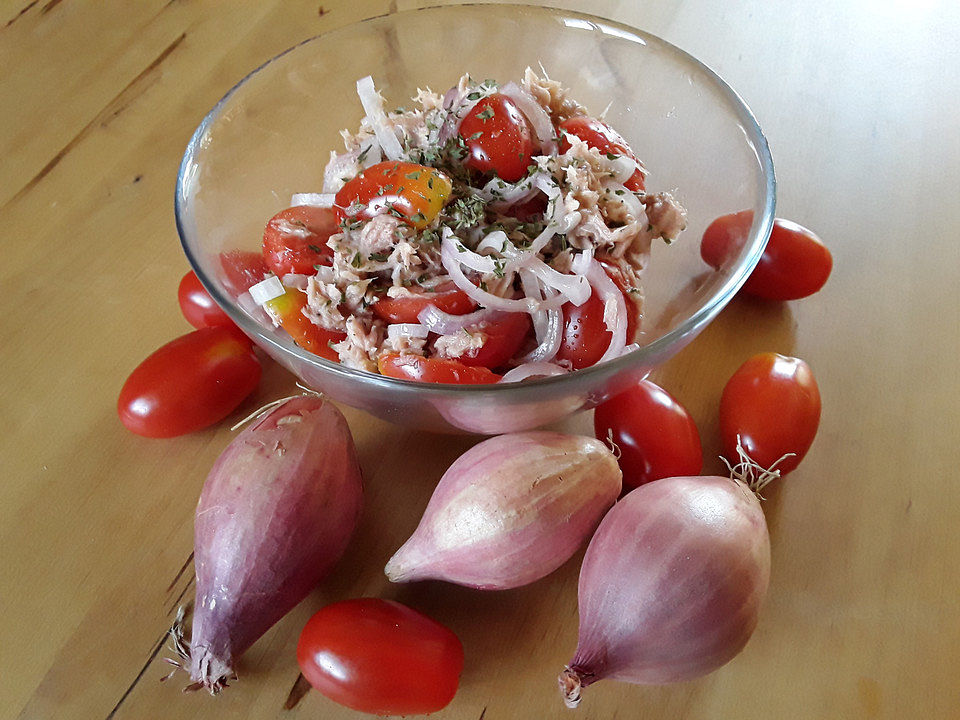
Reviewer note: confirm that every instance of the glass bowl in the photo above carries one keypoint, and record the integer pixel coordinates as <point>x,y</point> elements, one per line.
<point>272,134</point>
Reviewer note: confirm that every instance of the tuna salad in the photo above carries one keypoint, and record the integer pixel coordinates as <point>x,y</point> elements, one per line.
<point>489,234</point>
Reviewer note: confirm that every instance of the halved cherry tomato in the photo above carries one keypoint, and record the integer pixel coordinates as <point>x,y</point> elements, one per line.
<point>380,657</point>
<point>413,192</point>
<point>197,306</point>
<point>585,334</point>
<point>242,270</point>
<point>794,264</point>
<point>434,370</point>
<point>498,138</point>
<point>604,138</point>
<point>773,403</point>
<point>448,298</point>
<point>189,383</point>
<point>655,433</point>
<point>288,311</point>
<point>532,209</point>
<point>295,239</point>
<point>505,335</point>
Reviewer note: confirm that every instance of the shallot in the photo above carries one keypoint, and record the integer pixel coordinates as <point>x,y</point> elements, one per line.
<point>275,514</point>
<point>671,584</point>
<point>510,510</point>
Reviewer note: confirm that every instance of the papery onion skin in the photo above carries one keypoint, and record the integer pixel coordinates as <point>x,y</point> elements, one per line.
<point>275,514</point>
<point>510,510</point>
<point>671,584</point>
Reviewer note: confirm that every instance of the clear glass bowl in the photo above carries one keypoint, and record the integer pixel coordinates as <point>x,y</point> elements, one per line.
<point>272,134</point>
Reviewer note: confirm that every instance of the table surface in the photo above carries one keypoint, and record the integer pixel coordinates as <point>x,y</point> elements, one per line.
<point>859,102</point>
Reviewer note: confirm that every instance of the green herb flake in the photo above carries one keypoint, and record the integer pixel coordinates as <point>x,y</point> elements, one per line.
<point>415,175</point>
<point>357,261</point>
<point>612,156</point>
<point>378,257</point>
<point>315,249</point>
<point>485,114</point>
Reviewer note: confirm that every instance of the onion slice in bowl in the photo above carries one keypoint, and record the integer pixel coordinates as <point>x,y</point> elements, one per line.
<point>437,321</point>
<point>373,107</point>
<point>532,369</point>
<point>534,112</point>
<point>614,310</point>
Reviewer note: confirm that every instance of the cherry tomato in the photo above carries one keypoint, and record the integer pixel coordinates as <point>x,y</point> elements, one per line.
<point>448,298</point>
<point>498,138</point>
<point>189,383</point>
<point>295,239</point>
<point>197,306</point>
<point>604,138</point>
<point>655,433</point>
<point>505,335</point>
<point>380,657</point>
<point>416,193</point>
<point>288,311</point>
<point>242,270</point>
<point>585,334</point>
<point>434,370</point>
<point>773,403</point>
<point>529,210</point>
<point>794,264</point>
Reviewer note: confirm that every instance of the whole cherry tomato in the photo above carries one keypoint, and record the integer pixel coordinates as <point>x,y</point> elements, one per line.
<point>197,306</point>
<point>655,433</point>
<point>380,657</point>
<point>415,193</point>
<point>505,334</point>
<point>295,239</point>
<point>242,269</point>
<point>498,138</point>
<point>434,370</point>
<point>189,383</point>
<point>772,403</point>
<point>287,310</point>
<point>585,336</point>
<point>447,297</point>
<point>604,138</point>
<point>794,264</point>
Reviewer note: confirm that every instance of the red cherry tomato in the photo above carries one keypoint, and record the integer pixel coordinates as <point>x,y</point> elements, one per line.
<point>585,335</point>
<point>189,383</point>
<point>773,403</point>
<point>532,209</point>
<point>242,270</point>
<point>505,335</point>
<point>415,193</point>
<point>197,306</point>
<point>604,138</point>
<point>434,370</point>
<point>794,264</point>
<point>498,138</point>
<point>295,239</point>
<point>380,657</point>
<point>448,298</point>
<point>655,433</point>
<point>288,311</point>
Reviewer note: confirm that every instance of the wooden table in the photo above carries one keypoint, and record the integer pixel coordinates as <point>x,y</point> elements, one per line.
<point>859,102</point>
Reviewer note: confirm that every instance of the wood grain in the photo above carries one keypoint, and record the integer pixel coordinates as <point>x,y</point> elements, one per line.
<point>859,102</point>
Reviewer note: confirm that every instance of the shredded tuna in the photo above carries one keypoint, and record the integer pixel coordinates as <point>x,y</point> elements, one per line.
<point>665,214</point>
<point>455,345</point>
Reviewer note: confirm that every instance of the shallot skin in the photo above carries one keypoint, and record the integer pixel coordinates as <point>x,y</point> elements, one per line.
<point>671,584</point>
<point>510,510</point>
<point>276,512</point>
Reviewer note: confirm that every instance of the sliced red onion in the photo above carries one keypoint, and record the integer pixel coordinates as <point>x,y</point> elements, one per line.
<point>539,119</point>
<point>320,200</point>
<point>573,287</point>
<point>441,323</point>
<point>373,107</point>
<point>532,369</point>
<point>294,280</point>
<point>340,168</point>
<point>620,167</point>
<point>451,263</point>
<point>547,323</point>
<point>614,310</point>
<point>581,262</point>
<point>503,194</point>
<point>398,330</point>
<point>267,290</point>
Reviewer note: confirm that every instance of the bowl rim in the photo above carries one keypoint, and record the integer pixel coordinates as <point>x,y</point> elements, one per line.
<point>756,239</point>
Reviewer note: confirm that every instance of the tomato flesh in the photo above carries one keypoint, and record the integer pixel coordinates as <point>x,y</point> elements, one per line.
<point>498,138</point>
<point>434,370</point>
<point>189,383</point>
<point>380,657</point>
<point>242,270</point>
<point>295,239</point>
<point>287,310</point>
<point>604,138</point>
<point>655,433</point>
<point>772,403</point>
<point>415,193</point>
<point>795,263</point>
<point>448,298</point>
<point>505,334</point>
<point>197,306</point>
